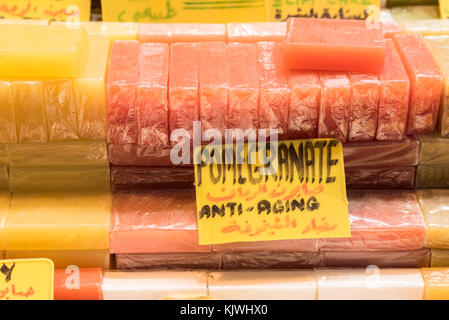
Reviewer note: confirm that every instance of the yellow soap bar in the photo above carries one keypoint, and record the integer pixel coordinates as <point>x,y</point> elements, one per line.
<point>90,90</point>
<point>82,153</point>
<point>60,108</point>
<point>415,13</point>
<point>7,123</point>
<point>4,207</point>
<point>426,27</point>
<point>59,178</point>
<point>434,204</point>
<point>25,21</point>
<point>29,111</point>
<point>436,283</point>
<point>4,179</point>
<point>64,258</point>
<point>42,51</point>
<point>58,221</point>
<point>439,258</point>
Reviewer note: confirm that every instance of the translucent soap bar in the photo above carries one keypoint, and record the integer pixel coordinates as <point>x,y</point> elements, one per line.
<point>114,30</point>
<point>380,178</point>
<point>181,32</point>
<point>88,288</point>
<point>426,27</point>
<point>58,221</point>
<point>439,258</point>
<point>187,261</point>
<point>257,31</point>
<point>154,285</point>
<point>265,285</point>
<point>271,260</point>
<point>42,51</point>
<point>8,132</point>
<point>432,176</point>
<point>389,24</point>
<point>415,13</point>
<point>436,282</point>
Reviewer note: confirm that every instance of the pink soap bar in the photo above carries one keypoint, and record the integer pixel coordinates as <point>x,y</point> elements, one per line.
<point>426,82</point>
<point>305,92</point>
<point>243,86</point>
<point>183,86</point>
<point>333,44</point>
<point>214,89</point>
<point>394,97</point>
<point>121,92</point>
<point>335,105</point>
<point>257,31</point>
<point>180,32</point>
<point>159,221</point>
<point>152,94</point>
<point>272,260</point>
<point>381,220</point>
<point>380,178</point>
<point>364,106</point>
<point>274,90</point>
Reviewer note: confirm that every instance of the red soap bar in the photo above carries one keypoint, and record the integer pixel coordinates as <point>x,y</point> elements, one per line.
<point>426,82</point>
<point>364,106</point>
<point>121,92</point>
<point>214,88</point>
<point>274,90</point>
<point>158,221</point>
<point>152,94</point>
<point>305,92</point>
<point>335,105</point>
<point>88,287</point>
<point>183,86</point>
<point>243,86</point>
<point>394,97</point>
<point>333,44</point>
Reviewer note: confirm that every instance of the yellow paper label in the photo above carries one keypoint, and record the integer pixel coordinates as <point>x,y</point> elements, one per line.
<point>297,192</point>
<point>444,9</point>
<point>57,10</point>
<point>26,279</point>
<point>280,10</point>
<point>211,11</point>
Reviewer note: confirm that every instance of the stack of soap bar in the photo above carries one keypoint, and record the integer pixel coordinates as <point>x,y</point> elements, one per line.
<point>436,214</point>
<point>88,287</point>
<point>181,32</point>
<point>58,224</point>
<point>426,82</point>
<point>430,27</point>
<point>439,258</point>
<point>42,51</point>
<point>257,31</point>
<point>369,284</point>
<point>265,285</point>
<point>65,165</point>
<point>433,168</point>
<point>415,13</point>
<point>436,283</point>
<point>338,45</point>
<point>4,172</point>
<point>154,285</point>
<point>381,220</point>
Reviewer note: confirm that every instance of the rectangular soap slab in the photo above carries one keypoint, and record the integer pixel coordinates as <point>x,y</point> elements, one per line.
<point>8,132</point>
<point>426,27</point>
<point>256,31</point>
<point>433,150</point>
<point>436,283</point>
<point>167,261</point>
<point>262,260</point>
<point>432,176</point>
<point>30,51</point>
<point>380,178</point>
<point>335,45</point>
<point>439,258</point>
<point>181,32</point>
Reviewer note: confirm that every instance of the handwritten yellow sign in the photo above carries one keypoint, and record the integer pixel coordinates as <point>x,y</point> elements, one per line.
<point>285,190</point>
<point>444,9</point>
<point>280,10</point>
<point>57,10</point>
<point>26,279</point>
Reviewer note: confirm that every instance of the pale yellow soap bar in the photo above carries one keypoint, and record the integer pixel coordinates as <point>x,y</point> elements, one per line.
<point>4,207</point>
<point>64,258</point>
<point>435,207</point>
<point>29,51</point>
<point>82,153</point>
<point>29,111</point>
<point>25,21</point>
<point>439,258</point>
<point>436,283</point>
<point>8,132</point>
<point>415,13</point>
<point>112,30</point>
<point>426,27</point>
<point>59,178</point>
<point>90,90</point>
<point>58,221</point>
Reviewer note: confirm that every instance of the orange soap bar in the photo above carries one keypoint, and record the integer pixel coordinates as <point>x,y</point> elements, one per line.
<point>78,284</point>
<point>152,94</point>
<point>305,92</point>
<point>333,44</point>
<point>181,32</point>
<point>159,221</point>
<point>426,82</point>
<point>256,31</point>
<point>121,92</point>
<point>274,90</point>
<point>214,89</point>
<point>436,283</point>
<point>364,106</point>
<point>243,86</point>
<point>335,105</point>
<point>183,86</point>
<point>394,97</point>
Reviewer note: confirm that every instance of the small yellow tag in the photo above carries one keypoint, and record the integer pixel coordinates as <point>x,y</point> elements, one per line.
<point>298,192</point>
<point>57,10</point>
<point>26,279</point>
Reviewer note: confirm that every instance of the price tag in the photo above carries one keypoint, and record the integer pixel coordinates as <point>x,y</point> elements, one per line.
<point>26,279</point>
<point>57,10</point>
<point>285,190</point>
<point>444,9</point>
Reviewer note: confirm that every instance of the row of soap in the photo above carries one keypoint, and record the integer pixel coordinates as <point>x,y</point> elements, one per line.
<point>323,284</point>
